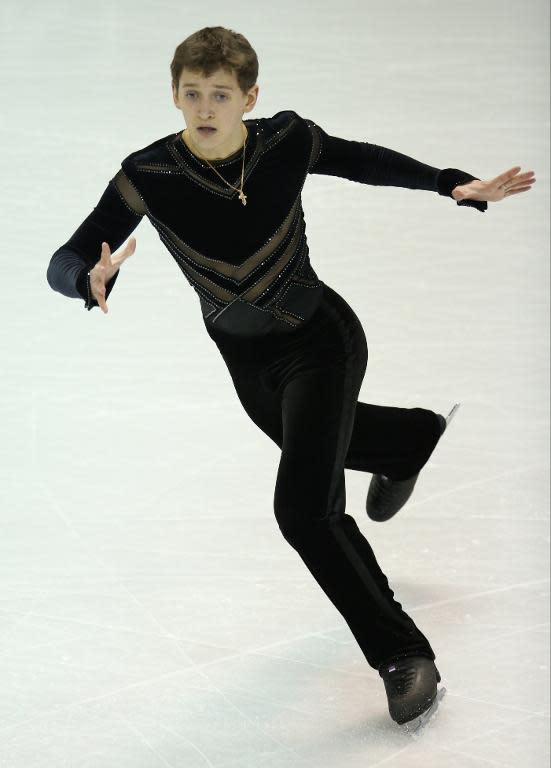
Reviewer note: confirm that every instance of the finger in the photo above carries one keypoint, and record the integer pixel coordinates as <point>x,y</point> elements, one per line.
<point>105,257</point>
<point>521,181</point>
<point>503,177</point>
<point>97,286</point>
<point>515,191</point>
<point>130,247</point>
<point>125,253</point>
<point>525,177</point>
<point>98,292</point>
<point>523,185</point>
<point>102,302</point>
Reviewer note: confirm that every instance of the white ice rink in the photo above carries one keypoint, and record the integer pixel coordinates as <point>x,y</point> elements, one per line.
<point>151,613</point>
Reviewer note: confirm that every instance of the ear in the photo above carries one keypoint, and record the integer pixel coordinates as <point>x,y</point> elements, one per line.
<point>253,93</point>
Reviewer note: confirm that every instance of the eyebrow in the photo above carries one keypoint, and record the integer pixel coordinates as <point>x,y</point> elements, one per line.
<point>216,86</point>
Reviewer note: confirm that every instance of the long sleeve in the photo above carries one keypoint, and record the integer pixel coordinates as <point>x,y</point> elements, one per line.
<point>116,215</point>
<point>372,164</point>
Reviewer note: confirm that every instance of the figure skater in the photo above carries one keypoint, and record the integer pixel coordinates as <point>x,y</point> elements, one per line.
<point>225,197</point>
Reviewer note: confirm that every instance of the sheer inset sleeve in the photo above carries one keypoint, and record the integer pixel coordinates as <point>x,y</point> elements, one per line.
<point>116,215</point>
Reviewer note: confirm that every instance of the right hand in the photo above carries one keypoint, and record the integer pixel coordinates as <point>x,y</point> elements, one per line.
<point>105,268</point>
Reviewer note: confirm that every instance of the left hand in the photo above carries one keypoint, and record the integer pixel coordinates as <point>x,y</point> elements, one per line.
<point>508,183</point>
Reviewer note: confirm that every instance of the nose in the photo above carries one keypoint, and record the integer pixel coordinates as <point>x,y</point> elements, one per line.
<point>205,114</point>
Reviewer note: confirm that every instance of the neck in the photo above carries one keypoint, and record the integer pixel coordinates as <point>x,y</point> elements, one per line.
<point>196,151</point>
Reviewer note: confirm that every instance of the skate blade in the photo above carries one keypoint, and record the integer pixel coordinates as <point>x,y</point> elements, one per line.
<point>451,414</point>
<point>415,728</point>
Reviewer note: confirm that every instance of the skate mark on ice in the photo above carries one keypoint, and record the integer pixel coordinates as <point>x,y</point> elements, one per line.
<point>474,595</point>
<point>144,739</point>
<point>510,708</point>
<point>190,743</point>
<point>191,664</point>
<point>489,732</point>
<point>389,757</point>
<point>474,483</point>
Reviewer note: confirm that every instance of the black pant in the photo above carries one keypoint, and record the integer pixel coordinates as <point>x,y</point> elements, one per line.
<point>301,389</point>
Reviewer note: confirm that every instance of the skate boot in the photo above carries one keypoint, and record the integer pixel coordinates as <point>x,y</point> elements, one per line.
<point>385,496</point>
<point>411,690</point>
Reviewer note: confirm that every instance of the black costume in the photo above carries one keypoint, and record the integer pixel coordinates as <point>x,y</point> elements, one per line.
<point>295,350</point>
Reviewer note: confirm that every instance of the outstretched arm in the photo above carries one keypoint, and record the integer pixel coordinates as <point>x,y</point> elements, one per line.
<point>372,164</point>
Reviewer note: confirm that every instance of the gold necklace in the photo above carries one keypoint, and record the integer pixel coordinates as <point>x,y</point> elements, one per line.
<point>242,195</point>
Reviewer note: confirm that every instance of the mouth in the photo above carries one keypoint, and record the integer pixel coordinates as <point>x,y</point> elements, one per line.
<point>206,130</point>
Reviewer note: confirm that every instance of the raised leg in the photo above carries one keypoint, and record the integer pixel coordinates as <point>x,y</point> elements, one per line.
<point>396,442</point>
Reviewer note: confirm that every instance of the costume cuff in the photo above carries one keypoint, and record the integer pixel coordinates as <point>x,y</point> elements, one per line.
<point>449,178</point>
<point>83,287</point>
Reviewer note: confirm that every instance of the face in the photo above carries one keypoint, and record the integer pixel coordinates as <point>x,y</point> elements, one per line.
<point>216,101</point>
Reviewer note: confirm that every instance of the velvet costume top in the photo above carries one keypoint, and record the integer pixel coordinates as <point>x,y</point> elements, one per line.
<point>249,264</point>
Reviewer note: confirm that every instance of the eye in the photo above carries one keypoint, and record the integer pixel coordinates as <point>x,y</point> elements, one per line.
<point>190,93</point>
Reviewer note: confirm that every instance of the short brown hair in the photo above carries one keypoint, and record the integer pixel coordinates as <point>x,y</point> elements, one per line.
<point>213,48</point>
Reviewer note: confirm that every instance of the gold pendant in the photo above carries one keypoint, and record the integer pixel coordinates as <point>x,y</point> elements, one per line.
<point>243,197</point>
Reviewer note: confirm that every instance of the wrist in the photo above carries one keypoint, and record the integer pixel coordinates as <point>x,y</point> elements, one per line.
<point>450,178</point>
<point>455,193</point>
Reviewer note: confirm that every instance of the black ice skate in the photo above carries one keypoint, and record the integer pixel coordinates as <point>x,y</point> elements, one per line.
<point>413,696</point>
<point>385,496</point>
